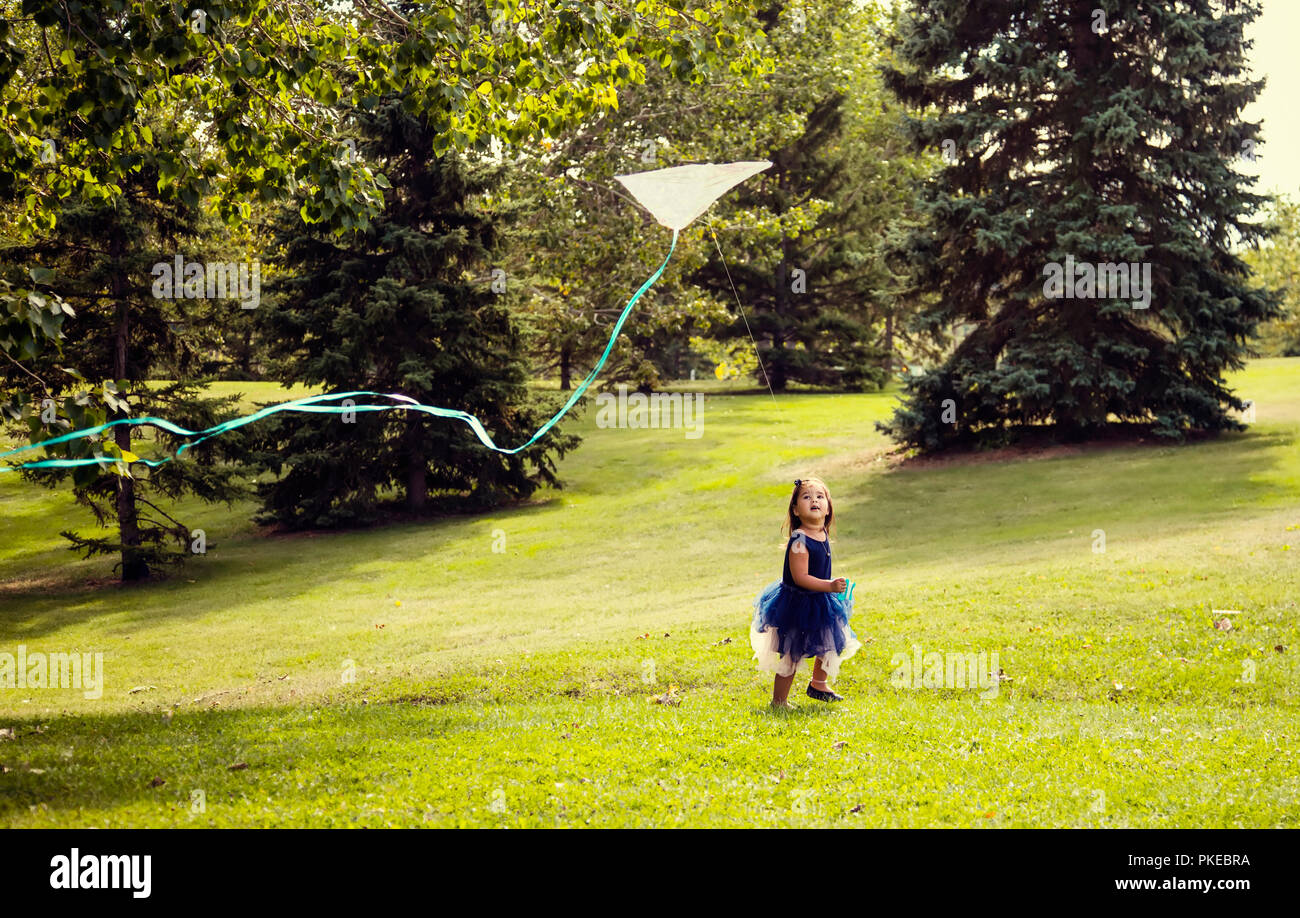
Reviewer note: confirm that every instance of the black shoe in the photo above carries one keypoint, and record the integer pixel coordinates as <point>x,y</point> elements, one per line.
<point>823,696</point>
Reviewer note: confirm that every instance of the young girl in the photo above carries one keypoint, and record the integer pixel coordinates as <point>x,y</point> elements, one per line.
<point>805,614</point>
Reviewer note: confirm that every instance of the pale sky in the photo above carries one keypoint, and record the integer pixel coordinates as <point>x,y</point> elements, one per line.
<point>1276,57</point>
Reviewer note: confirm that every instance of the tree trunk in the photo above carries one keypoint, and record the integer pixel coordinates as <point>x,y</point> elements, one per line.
<point>889,344</point>
<point>246,354</point>
<point>777,369</point>
<point>566,368</point>
<point>133,566</point>
<point>417,482</point>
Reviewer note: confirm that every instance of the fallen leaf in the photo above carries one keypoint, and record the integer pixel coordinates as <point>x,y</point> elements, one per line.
<point>6,733</point>
<point>839,744</point>
<point>669,697</point>
<point>857,808</point>
<point>1280,648</point>
<point>238,766</point>
<point>157,782</point>
<point>990,814</point>
<point>141,688</point>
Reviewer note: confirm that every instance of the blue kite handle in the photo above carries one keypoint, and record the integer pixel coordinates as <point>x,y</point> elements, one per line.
<point>848,593</point>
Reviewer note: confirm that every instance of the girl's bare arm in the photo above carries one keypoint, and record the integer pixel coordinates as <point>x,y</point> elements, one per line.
<point>799,572</point>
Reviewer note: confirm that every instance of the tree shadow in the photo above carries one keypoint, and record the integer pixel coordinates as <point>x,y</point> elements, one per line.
<point>138,758</point>
<point>33,607</point>
<point>798,712</point>
<point>907,513</point>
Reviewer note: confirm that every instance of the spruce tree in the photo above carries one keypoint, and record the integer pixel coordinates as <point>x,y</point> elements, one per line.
<point>1085,134</point>
<point>119,341</point>
<point>812,287</point>
<point>803,301</point>
<point>400,307</point>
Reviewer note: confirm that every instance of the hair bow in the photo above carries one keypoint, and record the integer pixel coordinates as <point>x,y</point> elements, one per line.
<point>797,482</point>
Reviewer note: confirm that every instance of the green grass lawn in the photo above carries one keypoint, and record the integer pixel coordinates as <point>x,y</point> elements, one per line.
<point>516,687</point>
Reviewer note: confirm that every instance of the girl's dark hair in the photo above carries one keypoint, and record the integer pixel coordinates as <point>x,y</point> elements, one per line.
<point>792,519</point>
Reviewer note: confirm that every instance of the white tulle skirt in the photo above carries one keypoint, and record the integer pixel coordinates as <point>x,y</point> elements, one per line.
<point>791,625</point>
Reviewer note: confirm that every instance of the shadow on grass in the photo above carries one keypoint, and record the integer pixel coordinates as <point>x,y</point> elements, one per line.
<point>73,762</point>
<point>798,712</point>
<point>39,604</point>
<point>897,518</point>
<point>970,510</point>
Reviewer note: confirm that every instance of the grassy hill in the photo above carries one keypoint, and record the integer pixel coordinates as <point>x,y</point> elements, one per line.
<point>517,686</point>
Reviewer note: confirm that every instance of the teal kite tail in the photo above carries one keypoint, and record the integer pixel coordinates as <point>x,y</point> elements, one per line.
<point>315,404</point>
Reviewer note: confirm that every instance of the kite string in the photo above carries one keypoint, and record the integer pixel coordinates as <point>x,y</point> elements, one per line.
<point>310,404</point>
<point>757,356</point>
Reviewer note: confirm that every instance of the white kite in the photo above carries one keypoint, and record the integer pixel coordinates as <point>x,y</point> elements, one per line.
<point>678,195</point>
<point>674,196</point>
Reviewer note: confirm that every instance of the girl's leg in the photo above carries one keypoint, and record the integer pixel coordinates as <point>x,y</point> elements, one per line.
<point>819,677</point>
<point>781,690</point>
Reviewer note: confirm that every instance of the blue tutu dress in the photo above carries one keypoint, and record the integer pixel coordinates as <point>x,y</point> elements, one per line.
<point>792,624</point>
